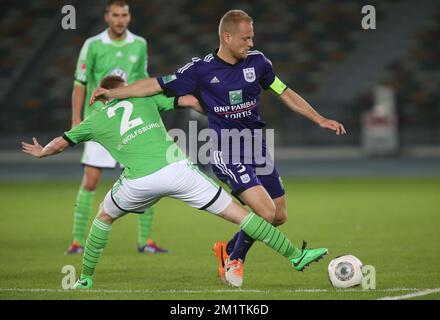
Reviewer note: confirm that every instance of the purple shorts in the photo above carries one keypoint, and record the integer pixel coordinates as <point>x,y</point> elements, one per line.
<point>241,177</point>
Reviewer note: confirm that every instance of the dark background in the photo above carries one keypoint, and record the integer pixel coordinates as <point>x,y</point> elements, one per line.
<point>318,48</point>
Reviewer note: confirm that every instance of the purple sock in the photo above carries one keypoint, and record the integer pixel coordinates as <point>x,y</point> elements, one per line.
<point>231,244</point>
<point>242,246</point>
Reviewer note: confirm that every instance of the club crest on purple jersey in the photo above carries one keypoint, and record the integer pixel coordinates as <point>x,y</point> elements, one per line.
<point>249,74</point>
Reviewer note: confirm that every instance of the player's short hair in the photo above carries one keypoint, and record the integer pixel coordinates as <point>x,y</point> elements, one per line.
<point>231,20</point>
<point>119,3</point>
<point>111,82</point>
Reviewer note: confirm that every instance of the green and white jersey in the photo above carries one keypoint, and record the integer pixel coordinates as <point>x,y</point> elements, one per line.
<point>132,131</point>
<point>100,56</point>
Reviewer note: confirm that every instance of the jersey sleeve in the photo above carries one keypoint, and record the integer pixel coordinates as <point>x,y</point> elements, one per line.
<point>82,132</point>
<point>268,75</point>
<point>84,64</point>
<point>184,81</point>
<point>165,103</point>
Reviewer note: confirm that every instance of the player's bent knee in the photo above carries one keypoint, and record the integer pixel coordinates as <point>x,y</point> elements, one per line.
<point>267,213</point>
<point>281,212</point>
<point>279,219</point>
<point>104,217</point>
<point>280,216</point>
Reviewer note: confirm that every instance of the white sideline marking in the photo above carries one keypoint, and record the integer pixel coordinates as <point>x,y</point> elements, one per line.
<point>412,295</point>
<point>225,290</point>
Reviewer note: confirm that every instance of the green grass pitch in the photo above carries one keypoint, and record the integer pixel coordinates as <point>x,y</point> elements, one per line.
<point>392,224</point>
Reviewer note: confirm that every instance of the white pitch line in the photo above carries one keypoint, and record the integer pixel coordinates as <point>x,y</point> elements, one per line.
<point>412,295</point>
<point>45,290</point>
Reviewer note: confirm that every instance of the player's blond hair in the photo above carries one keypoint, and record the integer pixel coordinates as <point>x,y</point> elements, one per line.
<point>230,21</point>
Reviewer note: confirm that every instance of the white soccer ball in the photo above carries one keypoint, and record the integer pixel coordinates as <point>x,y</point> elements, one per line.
<point>345,271</point>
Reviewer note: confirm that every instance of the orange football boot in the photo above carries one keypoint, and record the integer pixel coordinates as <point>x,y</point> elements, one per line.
<point>221,254</point>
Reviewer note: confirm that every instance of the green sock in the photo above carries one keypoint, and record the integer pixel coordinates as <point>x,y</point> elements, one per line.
<point>81,216</point>
<point>96,242</point>
<point>145,222</point>
<point>259,229</point>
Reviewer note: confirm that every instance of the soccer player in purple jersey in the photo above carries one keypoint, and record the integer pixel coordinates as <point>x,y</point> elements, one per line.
<point>228,83</point>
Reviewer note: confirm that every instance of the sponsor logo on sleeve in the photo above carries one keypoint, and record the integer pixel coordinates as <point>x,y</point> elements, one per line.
<point>169,78</point>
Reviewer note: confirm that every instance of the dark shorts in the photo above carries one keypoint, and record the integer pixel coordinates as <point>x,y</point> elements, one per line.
<point>241,177</point>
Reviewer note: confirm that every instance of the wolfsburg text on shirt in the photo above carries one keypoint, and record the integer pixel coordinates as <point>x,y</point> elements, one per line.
<point>140,131</point>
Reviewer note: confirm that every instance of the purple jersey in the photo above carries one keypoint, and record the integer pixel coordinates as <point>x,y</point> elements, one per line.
<point>230,94</point>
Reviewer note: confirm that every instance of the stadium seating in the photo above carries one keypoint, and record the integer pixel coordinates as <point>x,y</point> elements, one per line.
<point>302,38</point>
<point>415,79</point>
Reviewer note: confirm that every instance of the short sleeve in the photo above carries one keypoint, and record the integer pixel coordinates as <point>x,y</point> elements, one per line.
<point>184,81</point>
<point>84,64</point>
<point>268,75</point>
<point>82,132</point>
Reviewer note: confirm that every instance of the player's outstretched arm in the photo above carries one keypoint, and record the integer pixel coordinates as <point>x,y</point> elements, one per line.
<point>57,145</point>
<point>140,88</point>
<point>190,101</point>
<point>295,103</point>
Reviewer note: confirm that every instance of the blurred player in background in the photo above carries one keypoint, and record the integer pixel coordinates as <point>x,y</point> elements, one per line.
<point>116,51</point>
<point>228,83</point>
<point>133,132</point>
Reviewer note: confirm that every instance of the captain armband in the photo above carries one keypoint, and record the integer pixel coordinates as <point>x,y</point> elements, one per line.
<point>277,87</point>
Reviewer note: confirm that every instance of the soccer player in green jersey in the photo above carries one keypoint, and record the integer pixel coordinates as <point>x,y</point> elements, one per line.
<point>116,51</point>
<point>133,132</point>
